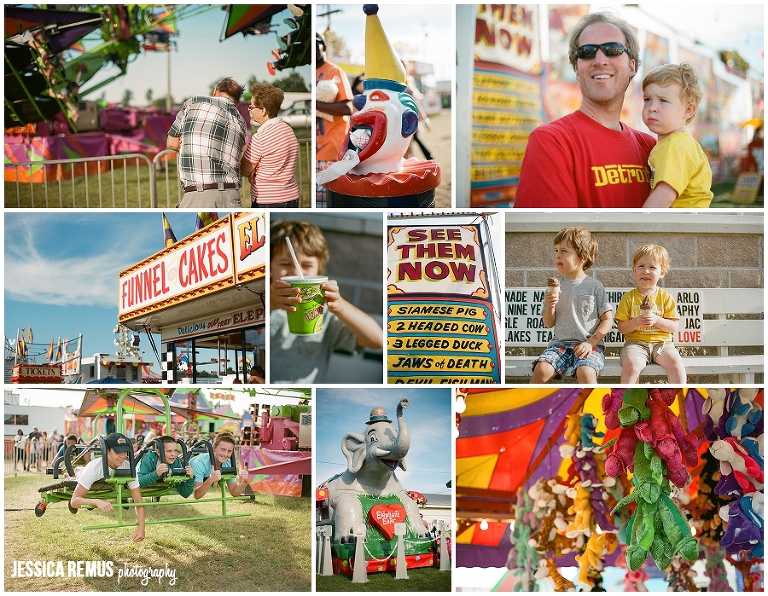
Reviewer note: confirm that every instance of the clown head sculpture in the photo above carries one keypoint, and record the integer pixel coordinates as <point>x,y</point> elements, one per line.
<point>387,116</point>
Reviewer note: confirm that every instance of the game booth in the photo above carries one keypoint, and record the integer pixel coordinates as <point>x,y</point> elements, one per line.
<point>204,295</point>
<point>612,489</point>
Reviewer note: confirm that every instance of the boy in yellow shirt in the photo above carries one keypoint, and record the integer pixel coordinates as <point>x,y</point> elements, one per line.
<point>647,316</point>
<point>680,172</point>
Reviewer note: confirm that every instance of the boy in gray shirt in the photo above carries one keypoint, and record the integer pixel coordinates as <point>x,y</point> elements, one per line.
<point>578,310</point>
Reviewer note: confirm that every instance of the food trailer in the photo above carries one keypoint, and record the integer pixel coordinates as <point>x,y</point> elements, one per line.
<point>204,295</point>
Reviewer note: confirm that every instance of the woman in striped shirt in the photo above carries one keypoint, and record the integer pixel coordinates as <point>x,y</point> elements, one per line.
<point>270,158</point>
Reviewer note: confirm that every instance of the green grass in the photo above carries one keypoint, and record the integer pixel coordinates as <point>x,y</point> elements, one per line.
<point>722,199</point>
<point>425,579</point>
<point>268,551</point>
<point>129,186</point>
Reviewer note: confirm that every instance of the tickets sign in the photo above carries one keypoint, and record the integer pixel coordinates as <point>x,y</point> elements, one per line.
<point>36,373</point>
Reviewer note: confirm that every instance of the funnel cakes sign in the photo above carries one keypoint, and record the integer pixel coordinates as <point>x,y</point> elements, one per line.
<point>227,252</point>
<point>440,321</point>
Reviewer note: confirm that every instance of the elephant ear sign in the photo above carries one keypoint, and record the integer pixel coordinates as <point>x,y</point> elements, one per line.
<point>353,447</point>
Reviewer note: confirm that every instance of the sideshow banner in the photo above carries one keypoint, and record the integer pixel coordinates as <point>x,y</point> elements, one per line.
<point>506,107</point>
<point>506,99</point>
<point>441,323</point>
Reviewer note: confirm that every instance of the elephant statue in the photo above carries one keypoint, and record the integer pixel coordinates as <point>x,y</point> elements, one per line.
<point>372,458</point>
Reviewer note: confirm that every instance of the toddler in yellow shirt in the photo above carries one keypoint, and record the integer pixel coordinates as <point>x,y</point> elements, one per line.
<point>649,330</point>
<point>680,172</point>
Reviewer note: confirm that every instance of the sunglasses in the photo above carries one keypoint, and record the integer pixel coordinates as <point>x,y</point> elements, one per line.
<point>610,49</point>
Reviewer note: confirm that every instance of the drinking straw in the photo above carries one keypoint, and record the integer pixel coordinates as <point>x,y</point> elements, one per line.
<point>293,256</point>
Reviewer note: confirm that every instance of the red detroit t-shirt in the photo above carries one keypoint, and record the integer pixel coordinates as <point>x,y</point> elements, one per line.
<point>576,162</point>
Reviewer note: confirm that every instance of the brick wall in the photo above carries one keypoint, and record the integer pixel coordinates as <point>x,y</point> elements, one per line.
<point>706,251</point>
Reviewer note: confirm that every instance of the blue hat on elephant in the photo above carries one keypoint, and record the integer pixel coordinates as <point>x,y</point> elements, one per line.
<point>378,415</point>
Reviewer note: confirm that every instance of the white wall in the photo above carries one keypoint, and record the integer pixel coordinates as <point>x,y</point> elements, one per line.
<point>45,419</point>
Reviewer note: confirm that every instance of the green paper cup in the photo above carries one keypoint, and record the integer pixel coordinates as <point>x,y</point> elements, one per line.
<point>308,317</point>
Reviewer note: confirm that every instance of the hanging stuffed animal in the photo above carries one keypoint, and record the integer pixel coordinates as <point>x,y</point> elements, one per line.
<point>592,559</point>
<point>549,504</point>
<point>744,525</point>
<point>735,461</point>
<point>589,432</point>
<point>548,569</point>
<point>572,436</point>
<point>664,431</point>
<point>745,414</point>
<point>521,557</point>
<point>657,527</point>
<point>680,576</point>
<point>715,570</point>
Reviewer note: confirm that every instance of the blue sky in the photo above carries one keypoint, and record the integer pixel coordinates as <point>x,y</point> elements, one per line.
<point>61,271</point>
<point>199,61</point>
<point>342,411</point>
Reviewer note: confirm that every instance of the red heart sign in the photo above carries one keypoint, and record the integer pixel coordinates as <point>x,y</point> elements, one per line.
<point>384,518</point>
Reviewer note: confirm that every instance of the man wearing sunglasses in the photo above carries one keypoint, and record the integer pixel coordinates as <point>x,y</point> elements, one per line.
<point>589,158</point>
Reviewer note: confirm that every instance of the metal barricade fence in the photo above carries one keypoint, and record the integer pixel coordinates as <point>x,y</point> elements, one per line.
<point>70,183</point>
<point>35,458</point>
<point>76,174</point>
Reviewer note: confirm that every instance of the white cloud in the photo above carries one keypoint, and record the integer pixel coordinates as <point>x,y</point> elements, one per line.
<point>36,272</point>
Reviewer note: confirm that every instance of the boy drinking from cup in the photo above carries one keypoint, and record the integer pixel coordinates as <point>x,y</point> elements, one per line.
<point>305,358</point>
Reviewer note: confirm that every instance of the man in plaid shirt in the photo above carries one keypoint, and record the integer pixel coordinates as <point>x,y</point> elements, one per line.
<point>209,134</point>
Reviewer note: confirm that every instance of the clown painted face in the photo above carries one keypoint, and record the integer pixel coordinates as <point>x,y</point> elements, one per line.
<point>381,130</point>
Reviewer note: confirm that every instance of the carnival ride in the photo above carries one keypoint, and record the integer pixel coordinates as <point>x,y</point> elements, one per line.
<point>121,403</point>
<point>275,447</point>
<point>47,68</point>
<point>49,78</point>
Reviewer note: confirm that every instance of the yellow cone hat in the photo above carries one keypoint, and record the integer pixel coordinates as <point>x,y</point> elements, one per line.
<point>381,62</point>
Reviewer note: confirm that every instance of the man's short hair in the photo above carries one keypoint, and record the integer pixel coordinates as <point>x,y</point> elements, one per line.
<point>71,438</point>
<point>165,440</point>
<point>231,88</point>
<point>224,437</point>
<point>269,97</point>
<point>657,253</point>
<point>582,242</point>
<point>604,17</point>
<point>304,236</point>
<point>683,74</point>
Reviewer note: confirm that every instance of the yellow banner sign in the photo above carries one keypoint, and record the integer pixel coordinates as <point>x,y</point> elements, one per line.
<point>455,344</point>
<point>508,102</point>
<point>488,118</point>
<point>397,363</point>
<point>440,380</point>
<point>483,173</point>
<point>425,309</point>
<point>505,83</point>
<point>480,154</point>
<point>499,137</point>
<point>467,328</point>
